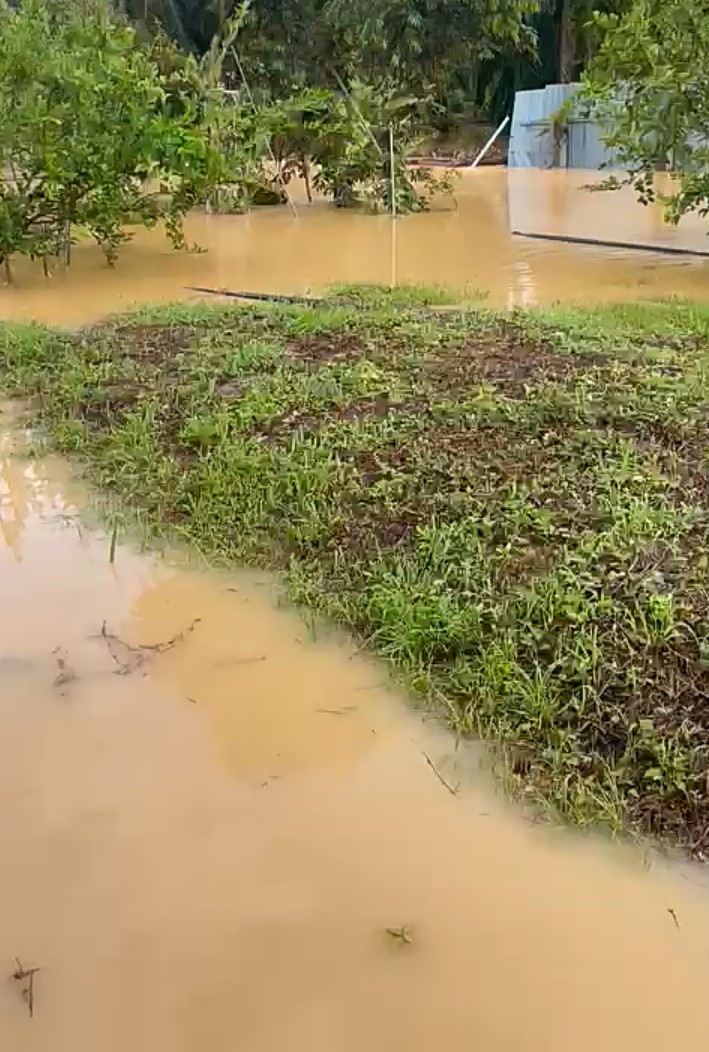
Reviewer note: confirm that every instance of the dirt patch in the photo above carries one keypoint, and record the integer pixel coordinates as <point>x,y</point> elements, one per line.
<point>154,343</point>
<point>106,405</point>
<point>366,529</point>
<point>506,361</point>
<point>327,346</point>
<point>311,422</point>
<point>228,390</point>
<point>676,342</point>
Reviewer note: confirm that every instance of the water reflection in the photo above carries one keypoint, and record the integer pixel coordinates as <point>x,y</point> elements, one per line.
<point>271,250</point>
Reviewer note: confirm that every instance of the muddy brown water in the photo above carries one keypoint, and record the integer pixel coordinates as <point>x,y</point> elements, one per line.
<point>203,845</point>
<point>469,246</point>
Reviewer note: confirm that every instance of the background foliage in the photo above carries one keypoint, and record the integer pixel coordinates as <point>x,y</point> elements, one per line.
<point>655,60</point>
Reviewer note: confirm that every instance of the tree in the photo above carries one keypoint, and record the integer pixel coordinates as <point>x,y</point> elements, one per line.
<point>84,127</point>
<point>572,28</point>
<point>415,45</point>
<point>649,83</point>
<point>193,24</point>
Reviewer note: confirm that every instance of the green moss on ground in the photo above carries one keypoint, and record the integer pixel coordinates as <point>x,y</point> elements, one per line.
<point>511,509</point>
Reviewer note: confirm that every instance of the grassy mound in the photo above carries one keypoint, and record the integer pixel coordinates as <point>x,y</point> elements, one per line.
<point>511,509</point>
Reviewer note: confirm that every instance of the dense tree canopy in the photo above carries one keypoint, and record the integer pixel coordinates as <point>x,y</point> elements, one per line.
<point>418,44</point>
<point>468,56</point>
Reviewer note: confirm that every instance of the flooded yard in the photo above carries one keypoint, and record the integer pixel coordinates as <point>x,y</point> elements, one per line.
<point>244,838</point>
<point>469,246</point>
<point>224,828</point>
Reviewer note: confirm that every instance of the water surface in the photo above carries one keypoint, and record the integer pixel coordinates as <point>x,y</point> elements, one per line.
<point>469,246</point>
<point>204,848</point>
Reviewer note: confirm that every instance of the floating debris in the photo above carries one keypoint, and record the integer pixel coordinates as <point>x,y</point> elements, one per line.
<point>129,657</point>
<point>452,789</point>
<point>66,673</point>
<point>113,543</point>
<point>26,977</point>
<point>404,935</point>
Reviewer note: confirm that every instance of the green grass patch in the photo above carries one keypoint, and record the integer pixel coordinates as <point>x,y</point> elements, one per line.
<point>510,509</point>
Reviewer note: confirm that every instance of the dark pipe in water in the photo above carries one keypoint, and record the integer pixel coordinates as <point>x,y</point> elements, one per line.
<point>261,297</point>
<point>668,250</point>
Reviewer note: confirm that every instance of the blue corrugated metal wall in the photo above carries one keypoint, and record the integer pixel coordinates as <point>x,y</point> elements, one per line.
<point>531,140</point>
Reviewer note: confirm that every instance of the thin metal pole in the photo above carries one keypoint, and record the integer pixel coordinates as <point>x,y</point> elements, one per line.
<point>250,97</point>
<point>392,277</point>
<point>391,171</point>
<point>489,143</point>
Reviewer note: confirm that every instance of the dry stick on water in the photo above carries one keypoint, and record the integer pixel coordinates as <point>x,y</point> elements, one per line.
<point>346,711</point>
<point>136,656</point>
<point>26,975</point>
<point>112,546</point>
<point>403,935</point>
<point>673,915</point>
<point>241,661</point>
<point>452,789</point>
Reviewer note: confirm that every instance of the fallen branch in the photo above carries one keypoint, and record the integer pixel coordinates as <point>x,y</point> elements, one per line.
<point>26,976</point>
<point>241,661</point>
<point>403,935</point>
<point>452,789</point>
<point>135,656</point>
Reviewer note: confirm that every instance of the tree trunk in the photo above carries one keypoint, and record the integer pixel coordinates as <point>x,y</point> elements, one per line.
<point>567,41</point>
<point>305,167</point>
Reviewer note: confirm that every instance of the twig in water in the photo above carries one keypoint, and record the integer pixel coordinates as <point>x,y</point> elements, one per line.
<point>160,648</point>
<point>403,934</point>
<point>26,975</point>
<point>242,661</point>
<point>114,540</point>
<point>360,647</point>
<point>452,789</point>
<point>136,656</point>
<point>30,993</point>
<point>339,712</point>
<point>673,915</point>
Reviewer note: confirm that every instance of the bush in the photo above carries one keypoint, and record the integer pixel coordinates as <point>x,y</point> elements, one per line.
<point>85,130</point>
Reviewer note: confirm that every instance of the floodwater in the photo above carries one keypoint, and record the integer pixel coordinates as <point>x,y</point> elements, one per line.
<point>210,816</point>
<point>221,829</point>
<point>471,246</point>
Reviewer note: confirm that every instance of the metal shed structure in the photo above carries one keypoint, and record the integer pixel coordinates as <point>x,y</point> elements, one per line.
<point>533,142</point>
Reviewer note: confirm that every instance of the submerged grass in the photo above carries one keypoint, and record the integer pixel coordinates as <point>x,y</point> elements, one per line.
<point>512,510</point>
